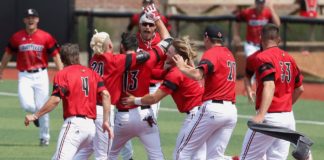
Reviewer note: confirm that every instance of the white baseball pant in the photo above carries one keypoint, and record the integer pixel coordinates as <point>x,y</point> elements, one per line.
<point>201,153</point>
<point>250,48</point>
<point>155,107</point>
<point>131,124</point>
<point>76,133</point>
<point>33,90</point>
<point>258,146</point>
<point>101,143</point>
<point>213,125</point>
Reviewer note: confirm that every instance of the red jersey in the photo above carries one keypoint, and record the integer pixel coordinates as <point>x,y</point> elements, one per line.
<point>219,68</point>
<point>185,92</point>
<point>136,18</point>
<point>148,45</point>
<point>111,68</point>
<point>255,22</point>
<point>32,50</point>
<point>251,64</point>
<point>287,78</point>
<point>308,8</point>
<point>136,81</point>
<point>78,91</point>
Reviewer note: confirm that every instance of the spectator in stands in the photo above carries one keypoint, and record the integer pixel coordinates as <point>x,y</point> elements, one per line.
<point>255,17</point>
<point>308,8</point>
<point>134,21</point>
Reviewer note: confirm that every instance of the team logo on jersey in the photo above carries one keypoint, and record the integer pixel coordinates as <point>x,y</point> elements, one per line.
<point>23,39</point>
<point>31,47</point>
<point>258,22</point>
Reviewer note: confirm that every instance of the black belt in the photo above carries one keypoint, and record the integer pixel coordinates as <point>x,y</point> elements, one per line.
<point>34,70</point>
<point>220,101</point>
<point>126,110</point>
<point>188,112</point>
<point>152,85</point>
<point>81,116</point>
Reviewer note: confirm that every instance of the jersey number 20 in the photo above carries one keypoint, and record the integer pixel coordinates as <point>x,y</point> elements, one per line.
<point>232,70</point>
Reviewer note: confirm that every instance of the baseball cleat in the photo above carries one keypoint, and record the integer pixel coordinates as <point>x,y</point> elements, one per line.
<point>44,142</point>
<point>36,123</point>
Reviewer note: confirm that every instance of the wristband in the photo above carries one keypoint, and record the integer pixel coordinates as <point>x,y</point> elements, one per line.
<point>137,101</point>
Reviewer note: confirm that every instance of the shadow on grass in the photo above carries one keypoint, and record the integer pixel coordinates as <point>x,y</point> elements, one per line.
<point>17,145</point>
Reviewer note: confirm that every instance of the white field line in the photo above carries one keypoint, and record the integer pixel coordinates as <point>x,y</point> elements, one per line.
<point>175,110</point>
<point>249,116</point>
<point>8,94</point>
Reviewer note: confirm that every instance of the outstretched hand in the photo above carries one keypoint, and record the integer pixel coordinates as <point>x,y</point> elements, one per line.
<point>29,118</point>
<point>152,13</point>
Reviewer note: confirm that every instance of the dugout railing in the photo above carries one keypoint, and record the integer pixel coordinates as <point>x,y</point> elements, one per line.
<point>285,20</point>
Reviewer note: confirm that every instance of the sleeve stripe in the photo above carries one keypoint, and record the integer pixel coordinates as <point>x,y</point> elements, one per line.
<point>264,67</point>
<point>52,49</point>
<point>101,84</point>
<point>170,85</point>
<point>12,48</point>
<point>128,62</point>
<point>157,54</point>
<point>210,65</point>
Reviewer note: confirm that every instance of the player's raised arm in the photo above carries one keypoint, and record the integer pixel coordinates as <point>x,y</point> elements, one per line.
<point>153,14</point>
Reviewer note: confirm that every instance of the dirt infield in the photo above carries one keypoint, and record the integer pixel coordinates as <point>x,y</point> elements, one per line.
<point>312,91</point>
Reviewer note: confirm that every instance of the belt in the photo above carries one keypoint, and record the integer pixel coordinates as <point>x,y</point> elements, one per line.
<point>34,70</point>
<point>220,101</point>
<point>81,116</point>
<point>126,110</point>
<point>188,112</point>
<point>152,85</point>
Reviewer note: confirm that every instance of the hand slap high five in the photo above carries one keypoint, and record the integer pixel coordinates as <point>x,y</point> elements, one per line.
<point>152,13</point>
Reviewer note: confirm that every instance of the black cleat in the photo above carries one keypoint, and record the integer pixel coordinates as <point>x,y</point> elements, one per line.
<point>44,143</point>
<point>36,123</point>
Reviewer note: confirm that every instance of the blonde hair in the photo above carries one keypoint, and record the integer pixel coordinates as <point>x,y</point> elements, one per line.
<point>184,48</point>
<point>98,42</point>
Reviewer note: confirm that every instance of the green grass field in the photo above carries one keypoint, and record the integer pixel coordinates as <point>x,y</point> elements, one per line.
<point>18,142</point>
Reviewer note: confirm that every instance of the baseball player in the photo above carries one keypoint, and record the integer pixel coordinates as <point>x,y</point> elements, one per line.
<point>134,21</point>
<point>250,68</point>
<point>217,116</point>
<point>81,87</point>
<point>255,18</point>
<point>32,46</point>
<point>139,121</point>
<point>148,37</point>
<point>186,92</point>
<point>110,67</point>
<point>279,84</point>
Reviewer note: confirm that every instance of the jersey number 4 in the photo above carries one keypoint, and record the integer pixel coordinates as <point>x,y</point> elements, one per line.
<point>232,70</point>
<point>285,71</point>
<point>85,85</point>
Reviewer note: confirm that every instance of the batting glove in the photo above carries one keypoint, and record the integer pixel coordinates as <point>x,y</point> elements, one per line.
<point>152,13</point>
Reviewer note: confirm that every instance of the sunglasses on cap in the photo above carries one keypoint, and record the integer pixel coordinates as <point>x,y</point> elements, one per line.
<point>149,24</point>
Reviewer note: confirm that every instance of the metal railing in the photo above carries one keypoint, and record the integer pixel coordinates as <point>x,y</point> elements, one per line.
<point>90,14</point>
